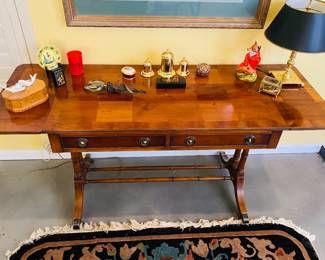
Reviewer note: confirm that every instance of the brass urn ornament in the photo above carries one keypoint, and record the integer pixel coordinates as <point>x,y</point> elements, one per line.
<point>147,71</point>
<point>183,69</point>
<point>167,62</point>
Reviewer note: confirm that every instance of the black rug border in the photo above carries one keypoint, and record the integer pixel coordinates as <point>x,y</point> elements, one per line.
<point>166,231</point>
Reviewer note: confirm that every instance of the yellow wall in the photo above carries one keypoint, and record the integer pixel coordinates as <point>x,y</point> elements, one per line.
<point>134,45</point>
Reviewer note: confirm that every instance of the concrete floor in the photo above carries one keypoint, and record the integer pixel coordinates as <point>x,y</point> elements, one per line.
<point>288,186</point>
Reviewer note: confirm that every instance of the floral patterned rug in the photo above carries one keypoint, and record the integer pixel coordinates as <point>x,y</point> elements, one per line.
<point>233,242</point>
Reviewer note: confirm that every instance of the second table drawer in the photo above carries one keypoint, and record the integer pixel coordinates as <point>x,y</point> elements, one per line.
<point>93,142</point>
<point>233,139</point>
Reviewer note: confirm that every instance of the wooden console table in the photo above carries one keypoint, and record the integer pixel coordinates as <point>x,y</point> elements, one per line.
<point>218,112</point>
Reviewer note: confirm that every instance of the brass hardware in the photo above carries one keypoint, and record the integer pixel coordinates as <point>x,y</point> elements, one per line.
<point>82,142</point>
<point>289,77</point>
<point>190,140</point>
<point>76,224</point>
<point>290,63</point>
<point>145,141</point>
<point>250,139</point>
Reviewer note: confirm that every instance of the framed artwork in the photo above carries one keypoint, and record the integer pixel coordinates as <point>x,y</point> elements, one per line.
<point>167,13</point>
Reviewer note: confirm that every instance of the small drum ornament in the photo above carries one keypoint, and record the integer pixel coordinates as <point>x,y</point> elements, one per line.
<point>128,72</point>
<point>203,70</point>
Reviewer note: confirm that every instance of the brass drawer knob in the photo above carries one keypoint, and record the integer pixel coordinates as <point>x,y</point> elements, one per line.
<point>145,141</point>
<point>82,142</point>
<point>249,139</point>
<point>190,140</point>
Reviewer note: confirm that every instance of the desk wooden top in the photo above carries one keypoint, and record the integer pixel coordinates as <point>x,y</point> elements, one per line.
<point>219,102</point>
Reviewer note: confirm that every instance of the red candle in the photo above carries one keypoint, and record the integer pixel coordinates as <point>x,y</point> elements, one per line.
<point>75,63</point>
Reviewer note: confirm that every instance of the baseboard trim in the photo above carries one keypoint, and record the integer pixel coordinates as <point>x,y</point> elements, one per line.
<point>322,152</point>
<point>44,155</point>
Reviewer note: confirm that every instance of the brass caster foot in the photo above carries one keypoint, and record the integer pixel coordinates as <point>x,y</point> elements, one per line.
<point>245,218</point>
<point>76,224</point>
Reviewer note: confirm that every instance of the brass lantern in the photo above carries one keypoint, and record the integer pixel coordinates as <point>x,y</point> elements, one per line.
<point>183,70</point>
<point>147,71</point>
<point>167,62</point>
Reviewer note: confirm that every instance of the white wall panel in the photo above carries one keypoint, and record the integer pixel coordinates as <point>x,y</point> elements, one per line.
<point>13,49</point>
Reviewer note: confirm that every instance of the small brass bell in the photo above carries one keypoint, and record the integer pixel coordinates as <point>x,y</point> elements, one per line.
<point>183,69</point>
<point>147,71</point>
<point>167,62</point>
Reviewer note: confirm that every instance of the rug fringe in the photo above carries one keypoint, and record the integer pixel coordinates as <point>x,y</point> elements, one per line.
<point>155,223</point>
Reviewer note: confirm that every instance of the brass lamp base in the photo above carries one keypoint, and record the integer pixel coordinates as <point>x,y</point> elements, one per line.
<point>291,79</point>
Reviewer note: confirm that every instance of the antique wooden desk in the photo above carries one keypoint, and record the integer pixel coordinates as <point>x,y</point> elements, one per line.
<point>219,112</point>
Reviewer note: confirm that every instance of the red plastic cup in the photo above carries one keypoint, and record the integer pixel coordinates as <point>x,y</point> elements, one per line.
<point>75,63</point>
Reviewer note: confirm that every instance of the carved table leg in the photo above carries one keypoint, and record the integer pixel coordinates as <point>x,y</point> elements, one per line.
<point>236,159</point>
<point>232,162</point>
<point>236,170</point>
<point>87,161</point>
<point>78,204</point>
<point>80,167</point>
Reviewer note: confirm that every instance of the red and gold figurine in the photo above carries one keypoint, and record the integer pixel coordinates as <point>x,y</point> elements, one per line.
<point>246,70</point>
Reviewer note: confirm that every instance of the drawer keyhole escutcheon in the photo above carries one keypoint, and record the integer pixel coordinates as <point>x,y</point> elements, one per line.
<point>190,140</point>
<point>250,139</point>
<point>82,142</point>
<point>145,141</point>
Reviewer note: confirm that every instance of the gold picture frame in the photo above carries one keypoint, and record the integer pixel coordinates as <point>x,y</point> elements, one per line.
<point>257,22</point>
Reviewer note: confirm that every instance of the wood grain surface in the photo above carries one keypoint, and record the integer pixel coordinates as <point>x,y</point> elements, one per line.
<point>219,102</point>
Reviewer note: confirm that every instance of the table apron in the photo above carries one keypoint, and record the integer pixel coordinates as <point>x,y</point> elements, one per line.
<point>123,141</point>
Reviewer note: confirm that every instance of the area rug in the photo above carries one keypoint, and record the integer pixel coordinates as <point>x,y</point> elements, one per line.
<point>261,239</point>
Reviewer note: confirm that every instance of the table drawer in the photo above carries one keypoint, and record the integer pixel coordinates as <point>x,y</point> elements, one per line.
<point>100,142</point>
<point>222,139</point>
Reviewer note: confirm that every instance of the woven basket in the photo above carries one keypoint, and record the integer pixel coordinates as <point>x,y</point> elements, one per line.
<point>31,97</point>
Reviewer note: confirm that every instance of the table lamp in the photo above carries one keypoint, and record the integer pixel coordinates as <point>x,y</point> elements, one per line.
<point>299,27</point>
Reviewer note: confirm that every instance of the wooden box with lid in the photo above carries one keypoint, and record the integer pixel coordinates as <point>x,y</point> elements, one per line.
<point>24,100</point>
